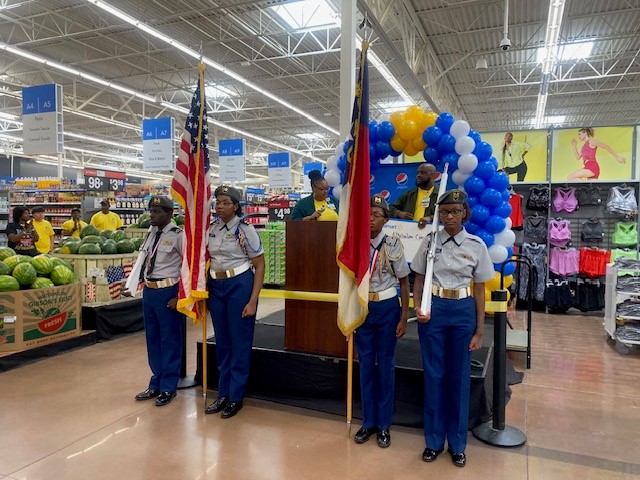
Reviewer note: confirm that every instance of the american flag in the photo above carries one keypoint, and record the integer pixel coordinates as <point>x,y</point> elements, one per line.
<point>116,277</point>
<point>191,188</point>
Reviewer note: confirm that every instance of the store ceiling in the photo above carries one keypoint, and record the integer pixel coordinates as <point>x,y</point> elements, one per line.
<point>431,46</point>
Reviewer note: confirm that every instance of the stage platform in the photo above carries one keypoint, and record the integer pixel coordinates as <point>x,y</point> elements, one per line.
<point>319,382</point>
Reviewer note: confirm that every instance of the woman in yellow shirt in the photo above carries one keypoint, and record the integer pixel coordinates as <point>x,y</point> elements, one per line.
<point>319,205</point>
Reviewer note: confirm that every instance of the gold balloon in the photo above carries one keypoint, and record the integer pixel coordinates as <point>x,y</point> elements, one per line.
<point>397,143</point>
<point>418,144</point>
<point>414,112</point>
<point>396,118</point>
<point>408,130</point>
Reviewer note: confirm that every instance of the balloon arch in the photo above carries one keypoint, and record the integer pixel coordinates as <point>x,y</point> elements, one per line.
<point>442,139</point>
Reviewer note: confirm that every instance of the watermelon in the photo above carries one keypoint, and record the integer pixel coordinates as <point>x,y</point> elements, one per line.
<point>133,225</point>
<point>25,274</point>
<point>8,284</point>
<point>67,240</point>
<point>146,223</point>
<point>89,249</point>
<point>75,278</point>
<point>109,247</point>
<point>106,233</point>
<point>57,250</point>
<point>42,282</point>
<point>118,235</point>
<point>126,246</point>
<point>143,217</point>
<point>43,264</point>
<point>61,275</point>
<point>15,260</point>
<point>71,248</point>
<point>89,230</point>
<point>180,220</point>
<point>137,242</point>
<point>93,239</point>
<point>6,252</point>
<point>5,269</point>
<point>59,261</point>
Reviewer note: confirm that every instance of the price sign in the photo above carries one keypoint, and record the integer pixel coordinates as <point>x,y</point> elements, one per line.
<point>104,180</point>
<point>279,211</point>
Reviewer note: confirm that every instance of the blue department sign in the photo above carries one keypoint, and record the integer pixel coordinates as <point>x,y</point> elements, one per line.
<point>158,148</point>
<point>42,119</point>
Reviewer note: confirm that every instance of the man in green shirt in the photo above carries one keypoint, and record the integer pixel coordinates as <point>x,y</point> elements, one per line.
<point>419,203</point>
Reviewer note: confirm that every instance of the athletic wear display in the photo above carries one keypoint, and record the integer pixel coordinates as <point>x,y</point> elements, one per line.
<point>559,233</point>
<point>622,200</point>
<point>536,227</point>
<point>592,230</point>
<point>538,198</point>
<point>565,200</point>
<point>564,262</point>
<point>588,196</point>
<point>625,234</point>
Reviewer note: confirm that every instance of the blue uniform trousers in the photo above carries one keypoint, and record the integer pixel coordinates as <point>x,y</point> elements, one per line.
<point>234,334</point>
<point>376,343</point>
<point>164,329</point>
<point>446,361</point>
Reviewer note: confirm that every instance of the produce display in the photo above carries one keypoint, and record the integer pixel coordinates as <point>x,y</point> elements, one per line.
<point>24,272</point>
<point>94,242</point>
<point>145,221</point>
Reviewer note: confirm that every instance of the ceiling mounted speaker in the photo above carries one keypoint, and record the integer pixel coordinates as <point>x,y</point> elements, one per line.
<point>481,64</point>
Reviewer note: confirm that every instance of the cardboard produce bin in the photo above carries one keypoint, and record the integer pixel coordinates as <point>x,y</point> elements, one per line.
<point>31,318</point>
<point>87,266</point>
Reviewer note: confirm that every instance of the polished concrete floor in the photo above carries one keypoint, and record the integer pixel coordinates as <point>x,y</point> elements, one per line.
<point>73,417</point>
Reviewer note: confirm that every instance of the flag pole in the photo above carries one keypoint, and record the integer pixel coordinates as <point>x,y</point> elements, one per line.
<point>202,310</point>
<point>349,382</point>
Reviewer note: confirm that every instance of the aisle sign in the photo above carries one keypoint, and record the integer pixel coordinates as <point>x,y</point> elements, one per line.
<point>279,170</point>
<point>42,119</point>
<point>232,160</point>
<point>104,180</point>
<point>158,148</point>
<point>306,168</point>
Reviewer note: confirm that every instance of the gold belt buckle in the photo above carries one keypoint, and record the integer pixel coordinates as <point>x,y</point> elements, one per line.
<point>374,297</point>
<point>220,274</point>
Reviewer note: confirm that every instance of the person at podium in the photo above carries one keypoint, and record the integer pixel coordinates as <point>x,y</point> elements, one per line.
<point>319,206</point>
<point>386,321</point>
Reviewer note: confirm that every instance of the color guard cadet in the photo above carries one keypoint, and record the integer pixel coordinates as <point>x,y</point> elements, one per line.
<point>386,322</point>
<point>453,328</point>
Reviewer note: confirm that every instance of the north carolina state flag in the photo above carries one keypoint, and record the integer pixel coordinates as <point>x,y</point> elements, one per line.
<point>354,228</point>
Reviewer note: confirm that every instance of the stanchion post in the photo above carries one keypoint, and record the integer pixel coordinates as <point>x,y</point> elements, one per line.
<point>185,381</point>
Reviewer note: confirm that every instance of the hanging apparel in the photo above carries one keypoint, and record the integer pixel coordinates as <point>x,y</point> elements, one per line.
<point>618,257</point>
<point>593,262</point>
<point>589,295</point>
<point>588,196</point>
<point>592,230</point>
<point>535,227</point>
<point>625,234</point>
<point>564,262</point>
<point>536,254</point>
<point>622,200</point>
<point>515,200</point>
<point>538,198</point>
<point>559,233</point>
<point>557,296</point>
<point>565,200</point>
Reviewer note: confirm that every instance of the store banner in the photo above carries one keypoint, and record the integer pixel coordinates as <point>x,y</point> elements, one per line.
<point>592,153</point>
<point>104,180</point>
<point>391,181</point>
<point>521,154</point>
<point>42,120</point>
<point>232,160</point>
<point>409,234</point>
<point>306,168</point>
<point>255,195</point>
<point>158,147</point>
<point>279,170</point>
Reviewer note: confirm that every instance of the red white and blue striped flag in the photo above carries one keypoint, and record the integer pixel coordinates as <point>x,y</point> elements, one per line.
<point>354,228</point>
<point>191,188</point>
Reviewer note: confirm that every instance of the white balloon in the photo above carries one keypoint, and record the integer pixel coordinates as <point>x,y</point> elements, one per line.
<point>465,145</point>
<point>506,238</point>
<point>339,149</point>
<point>332,177</point>
<point>508,222</point>
<point>498,253</point>
<point>459,129</point>
<point>332,162</point>
<point>459,177</point>
<point>467,163</point>
<point>337,191</point>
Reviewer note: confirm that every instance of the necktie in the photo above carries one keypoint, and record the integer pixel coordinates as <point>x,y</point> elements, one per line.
<point>154,251</point>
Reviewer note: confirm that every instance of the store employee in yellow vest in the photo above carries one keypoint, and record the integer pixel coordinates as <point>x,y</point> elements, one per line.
<point>106,220</point>
<point>419,203</point>
<point>44,244</point>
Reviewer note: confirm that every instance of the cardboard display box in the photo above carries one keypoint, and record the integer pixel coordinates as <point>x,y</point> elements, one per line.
<point>31,318</point>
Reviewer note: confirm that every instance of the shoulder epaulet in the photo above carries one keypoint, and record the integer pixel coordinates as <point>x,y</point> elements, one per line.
<point>176,229</point>
<point>391,240</point>
<point>244,222</point>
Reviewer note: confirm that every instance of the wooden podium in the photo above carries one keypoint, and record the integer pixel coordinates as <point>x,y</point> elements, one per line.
<point>311,326</point>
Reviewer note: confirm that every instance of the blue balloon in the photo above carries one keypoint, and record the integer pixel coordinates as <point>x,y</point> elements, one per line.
<point>485,236</point>
<point>444,122</point>
<point>499,181</point>
<point>472,200</point>
<point>447,144</point>
<point>373,131</point>
<point>494,224</point>
<point>483,151</point>
<point>372,152</point>
<point>324,172</point>
<point>474,185</point>
<point>509,268</point>
<point>475,135</point>
<point>494,162</point>
<point>490,198</point>
<point>471,227</point>
<point>503,210</point>
<point>431,155</point>
<point>385,131</point>
<point>394,153</point>
<point>346,146</point>
<point>452,160</point>
<point>484,170</point>
<point>330,191</point>
<point>506,195</point>
<point>374,164</point>
<point>479,214</point>
<point>341,178</point>
<point>509,252</point>
<point>431,136</point>
<point>383,149</point>
<point>451,184</point>
<point>439,167</point>
<point>342,163</point>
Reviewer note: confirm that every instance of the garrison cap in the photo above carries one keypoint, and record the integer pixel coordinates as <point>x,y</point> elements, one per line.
<point>379,201</point>
<point>231,192</point>
<point>453,196</point>
<point>161,201</point>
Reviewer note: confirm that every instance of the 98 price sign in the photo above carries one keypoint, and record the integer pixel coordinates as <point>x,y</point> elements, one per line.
<point>104,180</point>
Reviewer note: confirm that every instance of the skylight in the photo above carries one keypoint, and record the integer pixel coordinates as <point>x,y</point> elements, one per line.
<point>310,136</point>
<point>566,52</point>
<point>553,120</point>
<point>217,92</point>
<point>307,14</point>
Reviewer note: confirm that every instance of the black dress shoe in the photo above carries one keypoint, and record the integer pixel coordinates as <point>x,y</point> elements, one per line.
<point>364,434</point>
<point>458,459</point>
<point>231,409</point>
<point>217,406</point>
<point>384,438</point>
<point>430,455</point>
<point>148,394</point>
<point>164,398</point>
